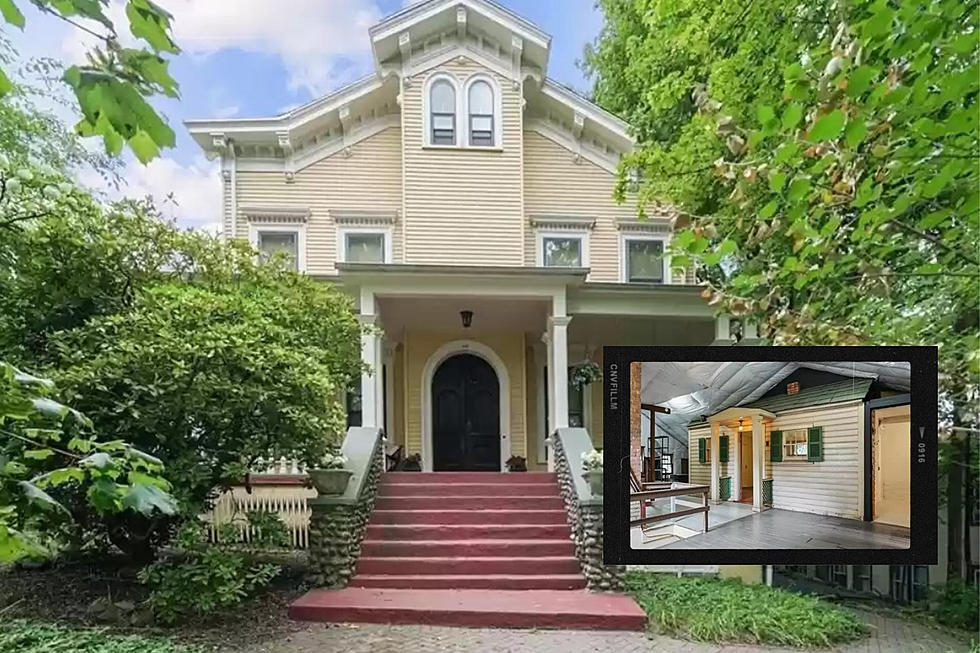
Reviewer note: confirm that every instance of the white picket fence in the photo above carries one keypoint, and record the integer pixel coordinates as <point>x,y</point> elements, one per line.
<point>288,500</point>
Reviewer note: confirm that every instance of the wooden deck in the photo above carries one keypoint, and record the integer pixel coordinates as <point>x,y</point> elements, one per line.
<point>788,529</point>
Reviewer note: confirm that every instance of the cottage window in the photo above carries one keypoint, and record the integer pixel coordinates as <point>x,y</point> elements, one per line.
<point>364,248</point>
<point>480,102</point>
<point>794,444</point>
<point>442,112</point>
<point>643,260</point>
<point>561,251</point>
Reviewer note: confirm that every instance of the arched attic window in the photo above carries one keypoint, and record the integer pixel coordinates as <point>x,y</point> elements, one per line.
<point>480,105</point>
<point>442,112</point>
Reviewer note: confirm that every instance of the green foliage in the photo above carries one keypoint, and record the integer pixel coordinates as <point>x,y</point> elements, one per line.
<point>212,378</point>
<point>113,86</point>
<point>47,447</point>
<point>22,636</point>
<point>652,53</point>
<point>958,604</point>
<point>207,579</point>
<point>824,160</point>
<point>724,611</point>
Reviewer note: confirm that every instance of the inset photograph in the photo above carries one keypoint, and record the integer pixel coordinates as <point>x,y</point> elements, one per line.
<point>771,455</point>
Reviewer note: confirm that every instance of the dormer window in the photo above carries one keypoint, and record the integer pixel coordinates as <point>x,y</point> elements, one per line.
<point>442,112</point>
<point>481,123</point>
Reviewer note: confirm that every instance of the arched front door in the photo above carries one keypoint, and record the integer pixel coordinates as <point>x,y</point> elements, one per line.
<point>465,415</point>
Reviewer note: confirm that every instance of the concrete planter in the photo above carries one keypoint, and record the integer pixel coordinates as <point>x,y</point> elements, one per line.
<point>594,479</point>
<point>330,482</point>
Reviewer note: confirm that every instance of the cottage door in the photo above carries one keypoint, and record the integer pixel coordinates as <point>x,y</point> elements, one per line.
<point>466,415</point>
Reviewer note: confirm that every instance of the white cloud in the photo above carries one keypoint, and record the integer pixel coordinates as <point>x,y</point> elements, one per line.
<point>190,194</point>
<point>322,44</point>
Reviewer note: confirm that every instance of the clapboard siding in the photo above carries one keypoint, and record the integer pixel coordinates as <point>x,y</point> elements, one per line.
<point>555,183</point>
<point>832,486</point>
<point>463,206</point>
<point>369,179</point>
<point>700,473</point>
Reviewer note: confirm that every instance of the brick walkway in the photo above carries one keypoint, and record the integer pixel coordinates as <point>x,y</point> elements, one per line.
<point>889,635</point>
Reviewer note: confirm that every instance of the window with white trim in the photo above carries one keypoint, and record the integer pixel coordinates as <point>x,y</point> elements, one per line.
<point>480,105</point>
<point>795,444</point>
<point>286,241</point>
<point>361,244</point>
<point>442,112</point>
<point>644,259</point>
<point>562,251</point>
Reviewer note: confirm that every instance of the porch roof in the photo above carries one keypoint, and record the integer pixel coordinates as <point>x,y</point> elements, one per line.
<point>388,270</point>
<point>829,393</point>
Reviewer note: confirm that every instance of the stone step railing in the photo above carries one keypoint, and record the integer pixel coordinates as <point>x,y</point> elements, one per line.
<point>584,510</point>
<point>337,523</point>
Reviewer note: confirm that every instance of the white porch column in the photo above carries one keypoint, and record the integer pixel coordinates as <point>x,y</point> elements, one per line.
<point>758,463</point>
<point>559,376</point>
<point>549,418</point>
<point>737,470</point>
<point>715,482</point>
<point>370,357</point>
<point>723,330</point>
<point>389,392</point>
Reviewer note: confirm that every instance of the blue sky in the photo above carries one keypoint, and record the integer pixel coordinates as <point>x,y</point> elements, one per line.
<point>247,58</point>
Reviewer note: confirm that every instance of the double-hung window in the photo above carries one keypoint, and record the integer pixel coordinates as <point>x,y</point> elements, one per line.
<point>481,123</point>
<point>280,240</point>
<point>442,112</point>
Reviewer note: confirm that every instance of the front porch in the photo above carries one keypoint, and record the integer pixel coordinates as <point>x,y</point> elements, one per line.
<point>469,366</point>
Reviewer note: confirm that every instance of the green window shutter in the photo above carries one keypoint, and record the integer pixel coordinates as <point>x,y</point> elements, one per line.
<point>701,457</point>
<point>776,446</point>
<point>814,444</point>
<point>723,448</point>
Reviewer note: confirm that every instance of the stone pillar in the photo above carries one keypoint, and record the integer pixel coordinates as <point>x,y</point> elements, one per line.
<point>559,376</point>
<point>758,462</point>
<point>337,527</point>
<point>636,420</point>
<point>715,481</point>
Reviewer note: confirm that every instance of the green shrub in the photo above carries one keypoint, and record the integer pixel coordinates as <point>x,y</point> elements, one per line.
<point>205,580</point>
<point>958,604</point>
<point>713,610</point>
<point>29,637</point>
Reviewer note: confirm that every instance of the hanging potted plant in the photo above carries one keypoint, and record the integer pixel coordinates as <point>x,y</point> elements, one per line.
<point>331,476</point>
<point>592,466</point>
<point>586,373</point>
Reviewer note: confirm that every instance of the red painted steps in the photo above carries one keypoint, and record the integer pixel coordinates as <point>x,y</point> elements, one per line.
<point>480,581</point>
<point>469,549</point>
<point>468,489</point>
<point>433,532</point>
<point>517,478</point>
<point>472,607</point>
<point>453,516</point>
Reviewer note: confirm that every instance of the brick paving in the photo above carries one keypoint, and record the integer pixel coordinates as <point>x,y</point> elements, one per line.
<point>889,635</point>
